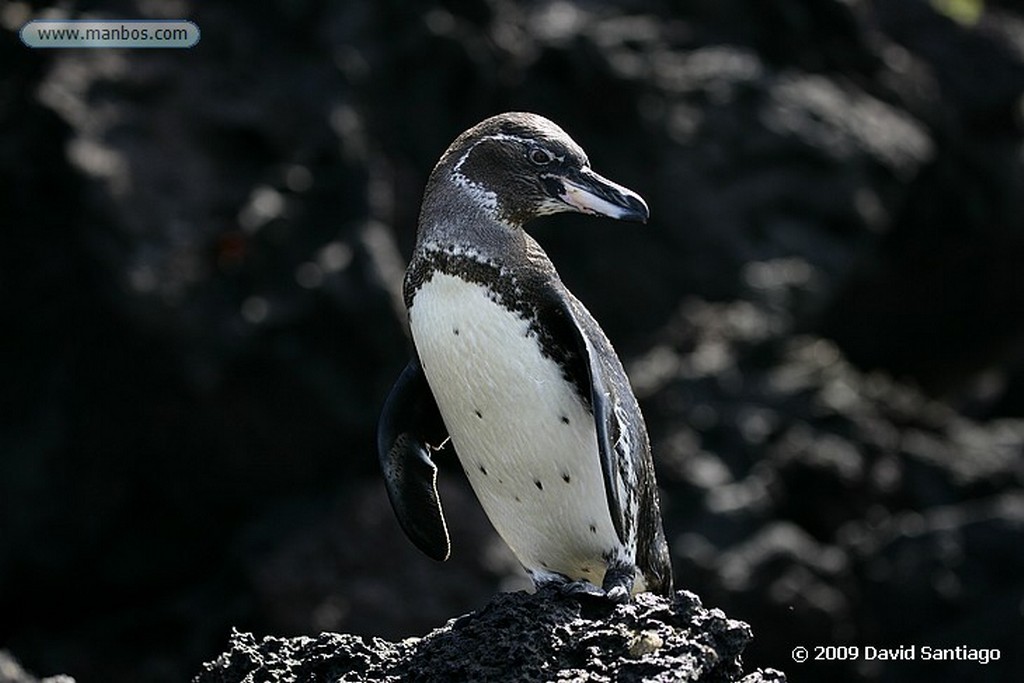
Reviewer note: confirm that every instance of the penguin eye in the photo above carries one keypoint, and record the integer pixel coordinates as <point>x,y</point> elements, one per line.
<point>540,156</point>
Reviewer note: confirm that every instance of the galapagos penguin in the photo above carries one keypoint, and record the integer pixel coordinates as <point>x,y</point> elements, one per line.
<point>512,368</point>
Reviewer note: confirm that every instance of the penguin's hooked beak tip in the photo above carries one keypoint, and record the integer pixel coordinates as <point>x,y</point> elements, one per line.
<point>588,192</point>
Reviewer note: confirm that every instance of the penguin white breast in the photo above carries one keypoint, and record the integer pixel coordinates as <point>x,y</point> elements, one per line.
<point>525,439</point>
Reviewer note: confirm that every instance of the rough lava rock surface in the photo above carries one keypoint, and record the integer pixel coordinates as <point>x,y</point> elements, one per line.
<point>519,637</point>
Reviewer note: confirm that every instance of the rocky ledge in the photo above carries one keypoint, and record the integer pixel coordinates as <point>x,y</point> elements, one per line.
<point>519,637</point>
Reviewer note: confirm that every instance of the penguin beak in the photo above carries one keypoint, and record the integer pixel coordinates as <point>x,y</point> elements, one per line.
<point>587,192</point>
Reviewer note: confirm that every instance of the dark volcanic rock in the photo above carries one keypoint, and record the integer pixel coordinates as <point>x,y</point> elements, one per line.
<point>519,637</point>
<point>11,672</point>
<point>838,505</point>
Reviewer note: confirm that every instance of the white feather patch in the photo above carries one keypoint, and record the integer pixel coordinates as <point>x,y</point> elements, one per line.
<point>527,443</point>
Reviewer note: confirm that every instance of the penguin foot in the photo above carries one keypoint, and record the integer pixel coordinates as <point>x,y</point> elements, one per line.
<point>584,589</point>
<point>580,588</point>
<point>618,582</point>
<point>616,588</point>
<point>618,594</point>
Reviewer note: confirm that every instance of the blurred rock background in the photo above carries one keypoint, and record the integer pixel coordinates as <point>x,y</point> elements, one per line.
<point>201,250</point>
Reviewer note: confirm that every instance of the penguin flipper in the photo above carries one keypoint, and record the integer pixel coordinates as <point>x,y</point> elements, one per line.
<point>409,424</point>
<point>606,421</point>
<point>601,364</point>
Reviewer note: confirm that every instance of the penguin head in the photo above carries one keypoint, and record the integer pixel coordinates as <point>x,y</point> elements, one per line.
<point>517,166</point>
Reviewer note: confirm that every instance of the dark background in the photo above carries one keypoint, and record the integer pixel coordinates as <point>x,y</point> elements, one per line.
<point>200,254</point>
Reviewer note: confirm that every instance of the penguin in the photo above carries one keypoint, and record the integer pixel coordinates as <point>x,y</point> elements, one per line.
<point>511,369</point>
